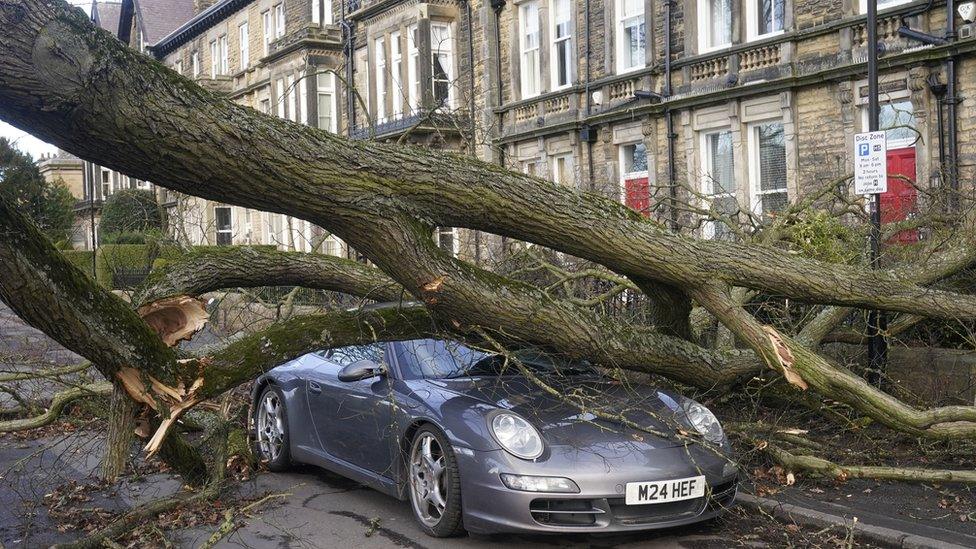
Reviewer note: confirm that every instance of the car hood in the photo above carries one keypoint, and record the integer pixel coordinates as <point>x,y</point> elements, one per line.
<point>563,423</point>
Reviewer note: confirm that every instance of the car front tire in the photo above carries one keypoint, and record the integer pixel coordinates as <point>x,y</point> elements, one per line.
<point>271,440</point>
<point>434,484</point>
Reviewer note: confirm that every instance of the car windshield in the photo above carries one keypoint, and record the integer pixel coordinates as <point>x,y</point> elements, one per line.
<point>439,359</point>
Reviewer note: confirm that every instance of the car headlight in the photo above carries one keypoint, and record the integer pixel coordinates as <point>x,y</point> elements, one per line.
<point>516,436</point>
<point>526,483</point>
<point>704,421</point>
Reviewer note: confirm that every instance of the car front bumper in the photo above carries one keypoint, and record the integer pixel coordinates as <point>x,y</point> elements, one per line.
<point>491,507</point>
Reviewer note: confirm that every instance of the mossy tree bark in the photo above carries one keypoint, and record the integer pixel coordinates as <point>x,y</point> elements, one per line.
<point>120,434</point>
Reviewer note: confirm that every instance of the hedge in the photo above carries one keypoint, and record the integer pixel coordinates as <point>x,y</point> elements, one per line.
<point>81,259</point>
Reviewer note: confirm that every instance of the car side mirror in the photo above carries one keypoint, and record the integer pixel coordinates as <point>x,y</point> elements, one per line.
<point>361,369</point>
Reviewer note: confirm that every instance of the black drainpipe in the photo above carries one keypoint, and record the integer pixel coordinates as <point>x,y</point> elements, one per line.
<point>349,36</point>
<point>669,119</point>
<point>952,153</point>
<point>586,93</point>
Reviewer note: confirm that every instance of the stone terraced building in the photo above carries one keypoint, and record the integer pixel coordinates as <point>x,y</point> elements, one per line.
<point>751,101</point>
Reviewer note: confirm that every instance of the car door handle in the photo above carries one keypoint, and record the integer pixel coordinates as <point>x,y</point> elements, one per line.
<point>314,387</point>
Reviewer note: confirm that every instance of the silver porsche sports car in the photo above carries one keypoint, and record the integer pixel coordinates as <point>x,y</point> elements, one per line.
<point>477,444</point>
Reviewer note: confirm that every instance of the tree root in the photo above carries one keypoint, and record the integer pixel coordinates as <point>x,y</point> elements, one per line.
<point>60,400</point>
<point>829,469</point>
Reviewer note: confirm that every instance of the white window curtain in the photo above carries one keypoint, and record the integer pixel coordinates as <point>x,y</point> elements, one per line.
<point>562,43</point>
<point>631,35</point>
<point>529,37</point>
<point>768,168</point>
<point>442,63</point>
<point>715,24</point>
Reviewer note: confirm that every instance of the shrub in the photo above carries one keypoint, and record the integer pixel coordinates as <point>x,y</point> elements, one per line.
<point>130,211</point>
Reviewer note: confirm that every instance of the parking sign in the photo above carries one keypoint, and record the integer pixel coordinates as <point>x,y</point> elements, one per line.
<point>870,163</point>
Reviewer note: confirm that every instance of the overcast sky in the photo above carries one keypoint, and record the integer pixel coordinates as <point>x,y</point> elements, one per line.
<point>25,141</point>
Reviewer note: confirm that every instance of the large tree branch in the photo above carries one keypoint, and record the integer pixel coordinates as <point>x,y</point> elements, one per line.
<point>57,74</point>
<point>211,269</point>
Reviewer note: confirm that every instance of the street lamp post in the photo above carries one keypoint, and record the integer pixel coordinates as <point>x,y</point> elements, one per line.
<point>877,320</point>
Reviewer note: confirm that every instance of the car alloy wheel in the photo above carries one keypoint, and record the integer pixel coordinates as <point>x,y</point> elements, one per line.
<point>270,430</point>
<point>429,484</point>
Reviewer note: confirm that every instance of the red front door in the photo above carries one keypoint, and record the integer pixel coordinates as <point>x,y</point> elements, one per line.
<point>901,200</point>
<point>637,195</point>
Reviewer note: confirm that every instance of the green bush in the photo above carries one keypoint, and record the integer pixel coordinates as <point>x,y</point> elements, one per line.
<point>130,211</point>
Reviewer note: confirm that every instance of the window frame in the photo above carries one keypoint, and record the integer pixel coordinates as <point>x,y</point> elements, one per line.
<point>708,229</point>
<point>330,90</point>
<point>321,12</point>
<point>752,21</point>
<point>449,69</point>
<point>229,231</point>
<point>178,66</point>
<point>396,74</point>
<point>214,59</point>
<point>624,176</point>
<point>291,96</point>
<point>414,96</point>
<point>279,20</point>
<point>244,45</point>
<point>862,5</point>
<point>705,27</point>
<point>379,78</point>
<point>568,165</point>
<point>452,232</point>
<point>195,63</point>
<point>266,30</point>
<point>620,19</point>
<point>755,165</point>
<point>556,41</point>
<point>528,76</point>
<point>223,48</point>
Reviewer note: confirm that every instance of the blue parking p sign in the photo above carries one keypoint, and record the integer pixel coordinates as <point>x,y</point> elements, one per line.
<point>863,149</point>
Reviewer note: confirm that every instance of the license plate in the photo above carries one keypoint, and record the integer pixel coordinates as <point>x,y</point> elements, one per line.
<point>665,491</point>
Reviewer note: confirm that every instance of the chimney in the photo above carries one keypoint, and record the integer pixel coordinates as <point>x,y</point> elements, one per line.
<point>200,5</point>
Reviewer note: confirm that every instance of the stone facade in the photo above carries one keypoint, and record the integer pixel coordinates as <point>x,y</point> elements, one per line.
<point>764,96</point>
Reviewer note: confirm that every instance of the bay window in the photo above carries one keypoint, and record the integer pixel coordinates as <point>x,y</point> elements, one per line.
<point>442,64</point>
<point>634,178</point>
<point>718,165</point>
<point>529,36</point>
<point>631,35</point>
<point>379,65</point>
<point>765,18</point>
<point>714,24</point>
<point>562,54</point>
<point>245,47</point>
<point>396,73</point>
<point>325,101</point>
<point>767,168</point>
